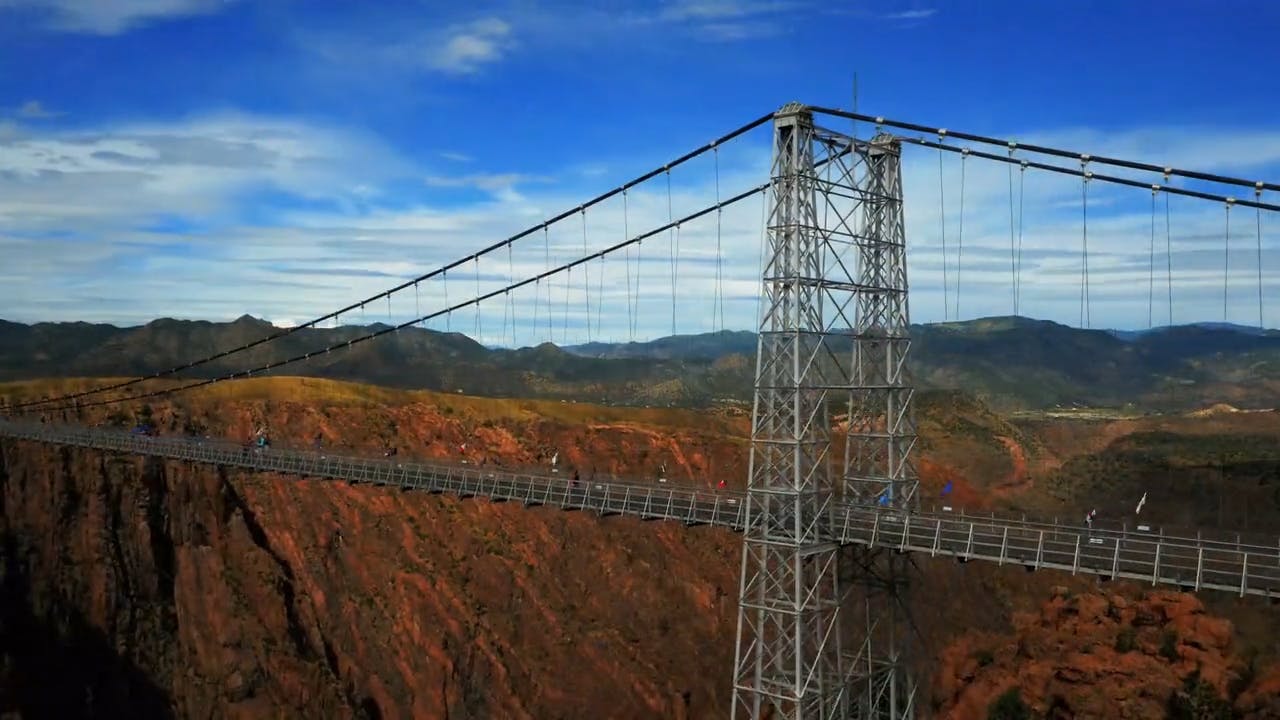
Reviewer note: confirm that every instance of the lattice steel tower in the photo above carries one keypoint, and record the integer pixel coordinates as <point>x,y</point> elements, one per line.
<point>833,334</point>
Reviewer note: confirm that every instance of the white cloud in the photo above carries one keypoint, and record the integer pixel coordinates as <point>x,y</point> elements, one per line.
<point>502,185</point>
<point>71,207</point>
<point>912,14</point>
<point>466,48</point>
<point>456,157</point>
<point>722,20</point>
<point>112,17</point>
<point>403,49</point>
<point>119,177</point>
<point>682,10</point>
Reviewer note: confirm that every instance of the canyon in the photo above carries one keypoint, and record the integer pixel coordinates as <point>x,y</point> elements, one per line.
<point>176,590</point>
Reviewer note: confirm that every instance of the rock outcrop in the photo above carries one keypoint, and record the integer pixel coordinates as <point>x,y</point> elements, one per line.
<point>1100,655</point>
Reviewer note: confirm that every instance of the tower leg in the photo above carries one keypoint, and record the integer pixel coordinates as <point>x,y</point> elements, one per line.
<point>881,434</point>
<point>787,658</point>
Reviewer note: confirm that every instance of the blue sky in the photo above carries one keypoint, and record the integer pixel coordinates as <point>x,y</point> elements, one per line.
<point>207,158</point>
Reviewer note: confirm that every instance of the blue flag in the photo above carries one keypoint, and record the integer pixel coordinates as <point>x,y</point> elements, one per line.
<point>946,489</point>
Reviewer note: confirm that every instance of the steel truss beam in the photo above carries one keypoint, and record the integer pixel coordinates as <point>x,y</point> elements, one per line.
<point>833,335</point>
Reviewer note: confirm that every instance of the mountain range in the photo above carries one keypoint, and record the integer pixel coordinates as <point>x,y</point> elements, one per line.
<point>1010,363</point>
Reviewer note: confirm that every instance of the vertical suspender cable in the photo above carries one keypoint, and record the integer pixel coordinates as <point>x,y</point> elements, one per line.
<point>1013,250</point>
<point>546,252</point>
<point>1085,320</point>
<point>1151,263</point>
<point>964,157</point>
<point>1168,253</point>
<point>717,324</point>
<point>448,317</point>
<point>631,310</point>
<point>1022,177</point>
<point>511,301</point>
<point>1257,194</point>
<point>942,220</point>
<point>672,234</point>
<point>537,300</point>
<point>600,299</point>
<point>479,327</point>
<point>764,234</point>
<point>1226,255</point>
<point>586,275</point>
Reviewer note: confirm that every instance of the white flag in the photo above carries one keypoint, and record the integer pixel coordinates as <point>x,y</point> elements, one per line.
<point>1141,502</point>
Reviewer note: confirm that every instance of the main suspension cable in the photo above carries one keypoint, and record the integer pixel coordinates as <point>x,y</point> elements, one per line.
<point>1112,179</point>
<point>1040,149</point>
<point>426,276</point>
<point>564,268</point>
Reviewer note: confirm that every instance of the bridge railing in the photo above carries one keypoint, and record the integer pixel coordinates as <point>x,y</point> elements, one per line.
<point>1183,562</point>
<point>691,505</point>
<point>1186,562</point>
<point>1137,530</point>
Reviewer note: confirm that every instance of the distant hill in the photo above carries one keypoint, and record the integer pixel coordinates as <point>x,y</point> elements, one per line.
<point>1242,329</point>
<point>707,346</point>
<point>1008,362</point>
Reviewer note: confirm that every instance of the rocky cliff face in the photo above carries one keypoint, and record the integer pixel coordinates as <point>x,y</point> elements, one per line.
<point>240,596</point>
<point>157,588</point>
<point>1100,655</point>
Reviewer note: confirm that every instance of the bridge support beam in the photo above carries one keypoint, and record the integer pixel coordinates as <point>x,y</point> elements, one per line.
<point>832,335</point>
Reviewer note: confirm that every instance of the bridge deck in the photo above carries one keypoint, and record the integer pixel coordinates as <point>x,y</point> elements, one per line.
<point>1185,562</point>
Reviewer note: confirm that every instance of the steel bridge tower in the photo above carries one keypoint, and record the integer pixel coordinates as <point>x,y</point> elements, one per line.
<point>833,335</point>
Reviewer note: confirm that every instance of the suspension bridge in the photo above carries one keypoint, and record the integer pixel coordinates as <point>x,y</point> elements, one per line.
<point>821,529</point>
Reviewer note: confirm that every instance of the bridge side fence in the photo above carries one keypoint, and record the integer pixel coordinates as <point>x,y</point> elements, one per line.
<point>1159,558</point>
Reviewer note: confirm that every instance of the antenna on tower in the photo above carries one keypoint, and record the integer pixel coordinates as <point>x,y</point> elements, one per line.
<point>854,134</point>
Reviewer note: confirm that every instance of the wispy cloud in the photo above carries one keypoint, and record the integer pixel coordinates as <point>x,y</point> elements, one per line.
<point>723,20</point>
<point>410,47</point>
<point>78,209</point>
<point>34,110</point>
<point>912,14</point>
<point>456,157</point>
<point>484,181</point>
<point>465,48</point>
<point>730,32</point>
<point>681,10</point>
<point>110,17</point>
<point>502,185</point>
